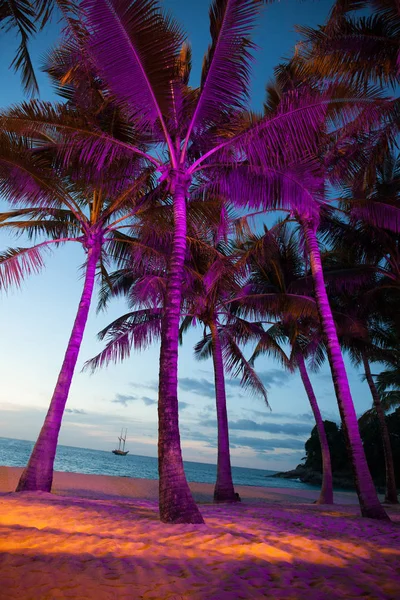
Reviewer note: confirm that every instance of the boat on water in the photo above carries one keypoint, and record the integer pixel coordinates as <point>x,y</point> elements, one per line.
<point>122,439</point>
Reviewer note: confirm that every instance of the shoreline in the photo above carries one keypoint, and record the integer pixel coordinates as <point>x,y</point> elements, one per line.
<point>114,486</point>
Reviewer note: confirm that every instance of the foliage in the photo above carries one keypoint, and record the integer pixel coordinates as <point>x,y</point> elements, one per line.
<point>337,448</point>
<point>372,442</point>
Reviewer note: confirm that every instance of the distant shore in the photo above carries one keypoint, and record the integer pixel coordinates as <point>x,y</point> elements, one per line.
<point>341,481</point>
<point>307,475</point>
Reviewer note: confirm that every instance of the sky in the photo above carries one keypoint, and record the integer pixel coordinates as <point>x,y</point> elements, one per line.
<point>36,320</point>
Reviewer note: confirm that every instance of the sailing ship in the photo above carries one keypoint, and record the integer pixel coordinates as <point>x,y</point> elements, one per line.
<point>122,439</point>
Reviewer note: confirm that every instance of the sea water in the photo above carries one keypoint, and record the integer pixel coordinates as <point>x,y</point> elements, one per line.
<point>15,453</point>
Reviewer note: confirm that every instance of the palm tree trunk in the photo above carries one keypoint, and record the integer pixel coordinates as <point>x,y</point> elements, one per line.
<point>391,491</point>
<point>175,498</point>
<point>367,496</point>
<point>224,490</point>
<point>326,494</point>
<point>38,474</point>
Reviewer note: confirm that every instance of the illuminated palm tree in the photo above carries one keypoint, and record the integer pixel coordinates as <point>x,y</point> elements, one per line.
<point>193,138</point>
<point>372,238</point>
<point>337,163</point>
<point>210,278</point>
<point>60,209</point>
<point>217,280</point>
<point>279,290</point>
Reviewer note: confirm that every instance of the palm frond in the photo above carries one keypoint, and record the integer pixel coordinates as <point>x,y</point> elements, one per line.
<point>390,400</point>
<point>353,49</point>
<point>379,214</point>
<point>236,364</point>
<point>270,343</point>
<point>276,305</point>
<point>139,68</point>
<point>21,16</point>
<point>136,330</point>
<point>18,263</point>
<point>75,138</point>
<point>51,228</point>
<point>185,325</point>
<point>203,348</point>
<point>225,80</point>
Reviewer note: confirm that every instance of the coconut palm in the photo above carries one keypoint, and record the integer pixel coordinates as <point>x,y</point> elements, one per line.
<point>207,302</point>
<point>60,209</point>
<point>210,277</point>
<point>277,273</point>
<point>199,137</point>
<point>195,133</point>
<point>334,167</point>
<point>304,339</point>
<point>388,382</point>
<point>375,304</point>
<point>371,348</point>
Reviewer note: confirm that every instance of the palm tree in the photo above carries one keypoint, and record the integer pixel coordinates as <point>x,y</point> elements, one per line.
<point>210,277</point>
<point>63,210</point>
<point>277,273</point>
<point>207,301</point>
<point>198,138</point>
<point>337,163</point>
<point>372,347</point>
<point>304,340</point>
<point>326,493</point>
<point>388,381</point>
<point>391,490</point>
<point>369,503</point>
<point>205,137</point>
<point>374,303</point>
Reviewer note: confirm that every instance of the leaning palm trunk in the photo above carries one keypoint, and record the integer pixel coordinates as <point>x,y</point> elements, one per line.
<point>326,494</point>
<point>224,490</point>
<point>367,496</point>
<point>391,491</point>
<point>38,474</point>
<point>175,498</point>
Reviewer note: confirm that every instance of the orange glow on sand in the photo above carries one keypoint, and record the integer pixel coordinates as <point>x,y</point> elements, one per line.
<point>109,546</point>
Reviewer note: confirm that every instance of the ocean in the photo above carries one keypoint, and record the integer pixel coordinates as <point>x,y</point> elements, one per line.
<point>15,453</point>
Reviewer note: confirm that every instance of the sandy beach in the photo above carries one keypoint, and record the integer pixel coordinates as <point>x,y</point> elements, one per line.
<point>99,537</point>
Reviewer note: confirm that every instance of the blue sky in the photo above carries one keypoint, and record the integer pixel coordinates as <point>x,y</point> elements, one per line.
<point>35,321</point>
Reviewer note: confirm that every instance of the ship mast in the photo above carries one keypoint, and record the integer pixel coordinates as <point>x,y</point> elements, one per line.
<point>122,439</point>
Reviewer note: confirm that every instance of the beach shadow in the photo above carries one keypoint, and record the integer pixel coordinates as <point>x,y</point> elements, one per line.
<point>84,576</point>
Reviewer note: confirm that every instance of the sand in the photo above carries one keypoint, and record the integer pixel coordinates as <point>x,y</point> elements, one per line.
<point>98,537</point>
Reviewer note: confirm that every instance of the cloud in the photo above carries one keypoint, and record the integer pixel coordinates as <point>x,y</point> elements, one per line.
<point>297,429</point>
<point>257,444</point>
<point>183,405</point>
<point>197,386</point>
<point>153,385</point>
<point>198,436</point>
<point>76,411</point>
<point>265,444</point>
<point>124,399</point>
<point>234,383</point>
<point>274,377</point>
<point>304,417</point>
<point>148,401</point>
<point>206,412</point>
